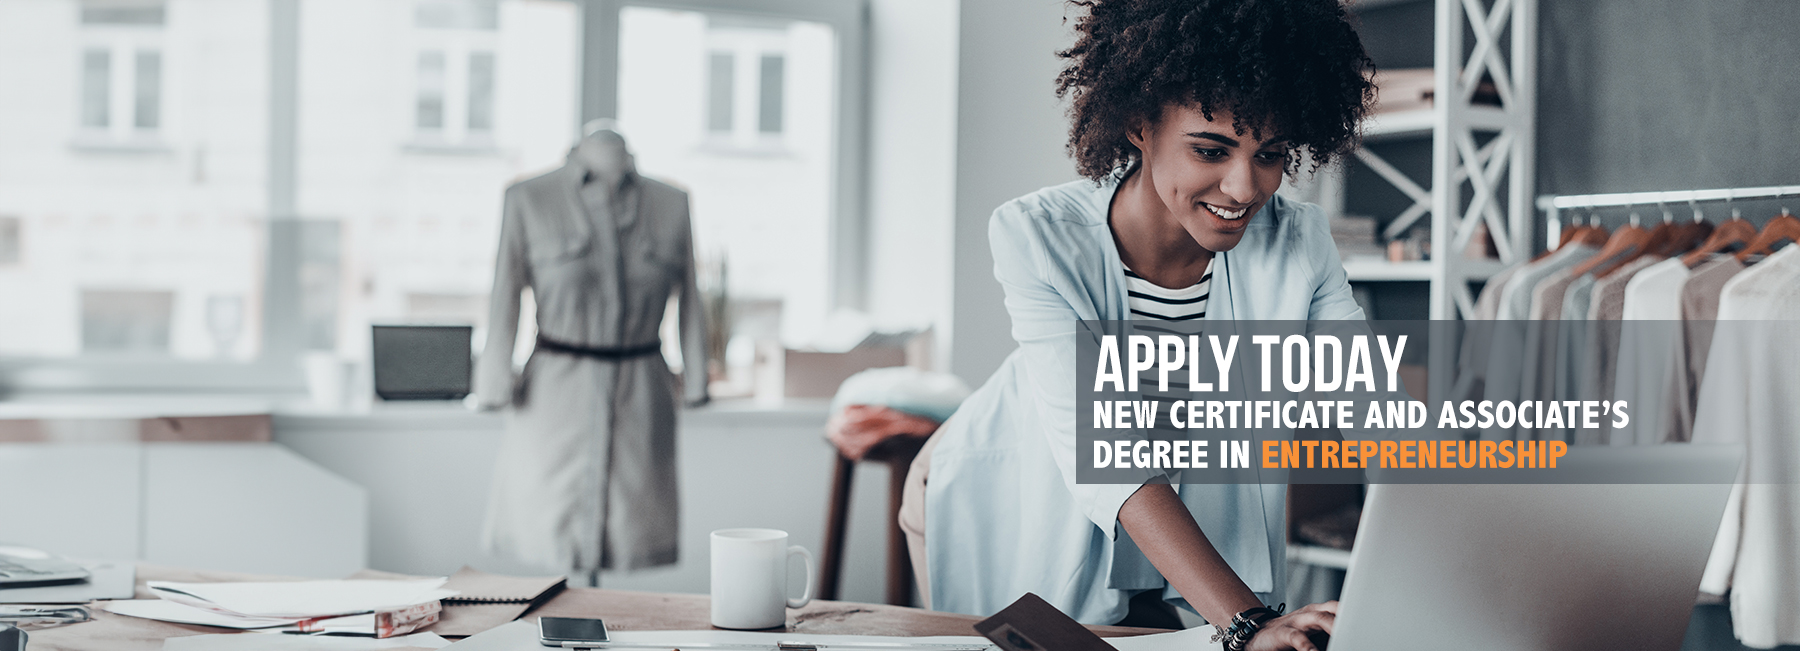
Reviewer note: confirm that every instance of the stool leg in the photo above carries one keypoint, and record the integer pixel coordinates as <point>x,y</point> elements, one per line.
<point>899,561</point>
<point>837,521</point>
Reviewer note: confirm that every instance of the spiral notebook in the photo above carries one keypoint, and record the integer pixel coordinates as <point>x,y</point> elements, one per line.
<point>478,587</point>
<point>489,600</point>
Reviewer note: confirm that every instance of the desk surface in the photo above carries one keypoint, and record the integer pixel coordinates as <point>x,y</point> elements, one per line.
<point>621,609</point>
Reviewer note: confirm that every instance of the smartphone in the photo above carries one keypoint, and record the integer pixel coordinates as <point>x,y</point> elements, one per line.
<point>555,631</point>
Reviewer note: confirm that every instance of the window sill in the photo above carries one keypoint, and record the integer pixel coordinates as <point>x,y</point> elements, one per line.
<point>296,413</point>
<point>105,144</point>
<point>444,148</point>
<point>733,149</point>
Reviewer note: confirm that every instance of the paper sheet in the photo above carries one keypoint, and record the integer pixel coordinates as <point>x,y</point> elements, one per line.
<point>522,636</point>
<point>299,599</point>
<point>267,642</point>
<point>1194,639</point>
<point>169,611</point>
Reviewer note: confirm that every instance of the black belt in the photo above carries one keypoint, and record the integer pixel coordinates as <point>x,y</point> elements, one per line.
<point>614,352</point>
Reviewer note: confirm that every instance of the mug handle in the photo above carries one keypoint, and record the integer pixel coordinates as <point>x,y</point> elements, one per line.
<point>805,597</point>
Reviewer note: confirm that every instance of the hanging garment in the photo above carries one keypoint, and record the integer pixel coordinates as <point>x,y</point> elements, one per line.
<point>1478,335</point>
<point>585,478</point>
<point>1752,376</point>
<point>1504,380</point>
<point>1487,306</point>
<point>1653,296</point>
<point>1600,358</point>
<point>1699,308</point>
<point>1547,297</point>
<point>1538,375</point>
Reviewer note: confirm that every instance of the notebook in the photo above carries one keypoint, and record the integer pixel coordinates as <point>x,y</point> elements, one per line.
<point>489,600</point>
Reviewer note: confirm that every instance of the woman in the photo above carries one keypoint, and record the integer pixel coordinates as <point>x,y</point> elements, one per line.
<point>1186,114</point>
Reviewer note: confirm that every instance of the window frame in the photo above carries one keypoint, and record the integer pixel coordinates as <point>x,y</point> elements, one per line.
<point>124,44</point>
<point>277,368</point>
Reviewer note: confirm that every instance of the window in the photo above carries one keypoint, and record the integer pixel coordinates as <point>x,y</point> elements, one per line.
<point>9,240</point>
<point>720,74</point>
<point>456,42</point>
<point>748,54</point>
<point>431,91</point>
<point>137,235</point>
<point>768,113</point>
<point>121,96</point>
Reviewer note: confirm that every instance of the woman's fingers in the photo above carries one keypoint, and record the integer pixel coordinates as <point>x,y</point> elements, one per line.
<point>1312,620</point>
<point>1281,638</point>
<point>1327,606</point>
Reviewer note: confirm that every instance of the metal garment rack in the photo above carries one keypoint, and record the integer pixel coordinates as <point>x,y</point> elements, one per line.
<point>1553,205</point>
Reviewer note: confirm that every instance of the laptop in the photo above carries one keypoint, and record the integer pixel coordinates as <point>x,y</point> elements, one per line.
<point>23,567</point>
<point>422,362</point>
<point>1542,567</point>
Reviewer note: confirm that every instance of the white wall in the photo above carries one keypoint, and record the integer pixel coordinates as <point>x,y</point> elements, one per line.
<point>1010,131</point>
<point>912,162</point>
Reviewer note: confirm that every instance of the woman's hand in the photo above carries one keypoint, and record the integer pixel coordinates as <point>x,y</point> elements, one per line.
<point>1296,630</point>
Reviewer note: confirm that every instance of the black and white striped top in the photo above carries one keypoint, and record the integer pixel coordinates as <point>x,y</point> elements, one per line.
<point>1148,301</point>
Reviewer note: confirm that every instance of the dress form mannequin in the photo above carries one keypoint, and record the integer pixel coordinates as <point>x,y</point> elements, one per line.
<point>585,478</point>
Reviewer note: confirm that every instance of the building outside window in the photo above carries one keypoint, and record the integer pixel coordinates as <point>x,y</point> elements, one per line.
<point>135,225</point>
<point>412,175</point>
<point>740,111</point>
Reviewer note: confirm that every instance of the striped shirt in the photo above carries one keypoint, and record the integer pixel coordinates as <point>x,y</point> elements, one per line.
<point>1149,301</point>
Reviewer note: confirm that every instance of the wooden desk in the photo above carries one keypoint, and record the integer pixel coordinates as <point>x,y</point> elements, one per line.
<point>622,610</point>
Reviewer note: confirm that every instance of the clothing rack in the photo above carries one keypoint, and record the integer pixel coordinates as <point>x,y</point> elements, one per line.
<point>1553,205</point>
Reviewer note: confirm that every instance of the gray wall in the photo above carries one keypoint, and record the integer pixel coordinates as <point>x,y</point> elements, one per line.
<point>1639,95</point>
<point>1010,133</point>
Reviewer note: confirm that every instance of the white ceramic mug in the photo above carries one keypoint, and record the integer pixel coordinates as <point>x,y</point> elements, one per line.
<point>749,578</point>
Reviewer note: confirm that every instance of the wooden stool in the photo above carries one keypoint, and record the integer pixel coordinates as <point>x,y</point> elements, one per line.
<point>898,453</point>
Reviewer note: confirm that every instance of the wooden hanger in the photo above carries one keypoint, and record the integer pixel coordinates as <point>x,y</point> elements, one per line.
<point>1624,244</point>
<point>1686,237</point>
<point>1735,232</point>
<point>1784,226</point>
<point>1568,235</point>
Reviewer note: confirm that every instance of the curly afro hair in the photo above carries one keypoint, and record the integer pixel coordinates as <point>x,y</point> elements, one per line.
<point>1292,68</point>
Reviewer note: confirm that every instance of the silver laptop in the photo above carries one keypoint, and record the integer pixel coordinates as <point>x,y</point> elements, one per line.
<point>1541,567</point>
<point>22,567</point>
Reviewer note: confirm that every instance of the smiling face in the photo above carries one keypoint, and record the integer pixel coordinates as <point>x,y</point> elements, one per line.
<point>1210,177</point>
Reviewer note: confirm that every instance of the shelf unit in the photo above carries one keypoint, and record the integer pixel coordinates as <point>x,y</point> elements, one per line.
<point>1499,173</point>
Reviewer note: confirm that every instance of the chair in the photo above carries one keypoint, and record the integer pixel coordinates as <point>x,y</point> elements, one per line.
<point>899,445</point>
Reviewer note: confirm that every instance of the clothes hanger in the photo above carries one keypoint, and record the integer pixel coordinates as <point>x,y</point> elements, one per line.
<point>1568,235</point>
<point>1661,237</point>
<point>1596,234</point>
<point>1688,235</point>
<point>1784,226</point>
<point>1735,233</point>
<point>1628,243</point>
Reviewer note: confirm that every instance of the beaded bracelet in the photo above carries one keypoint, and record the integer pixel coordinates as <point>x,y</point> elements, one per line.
<point>1244,626</point>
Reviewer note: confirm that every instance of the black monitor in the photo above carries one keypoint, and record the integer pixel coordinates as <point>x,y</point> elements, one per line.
<point>423,362</point>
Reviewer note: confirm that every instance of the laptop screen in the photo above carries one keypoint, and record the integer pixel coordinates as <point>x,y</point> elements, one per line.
<point>422,362</point>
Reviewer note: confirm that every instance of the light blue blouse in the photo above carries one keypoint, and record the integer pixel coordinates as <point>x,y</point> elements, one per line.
<point>1004,515</point>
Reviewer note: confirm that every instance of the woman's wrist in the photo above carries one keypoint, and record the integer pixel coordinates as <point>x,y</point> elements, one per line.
<point>1244,625</point>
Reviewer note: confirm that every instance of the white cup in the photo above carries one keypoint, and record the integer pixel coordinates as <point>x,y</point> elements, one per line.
<point>749,578</point>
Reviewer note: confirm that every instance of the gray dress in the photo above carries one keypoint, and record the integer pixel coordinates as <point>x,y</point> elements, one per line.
<point>585,478</point>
